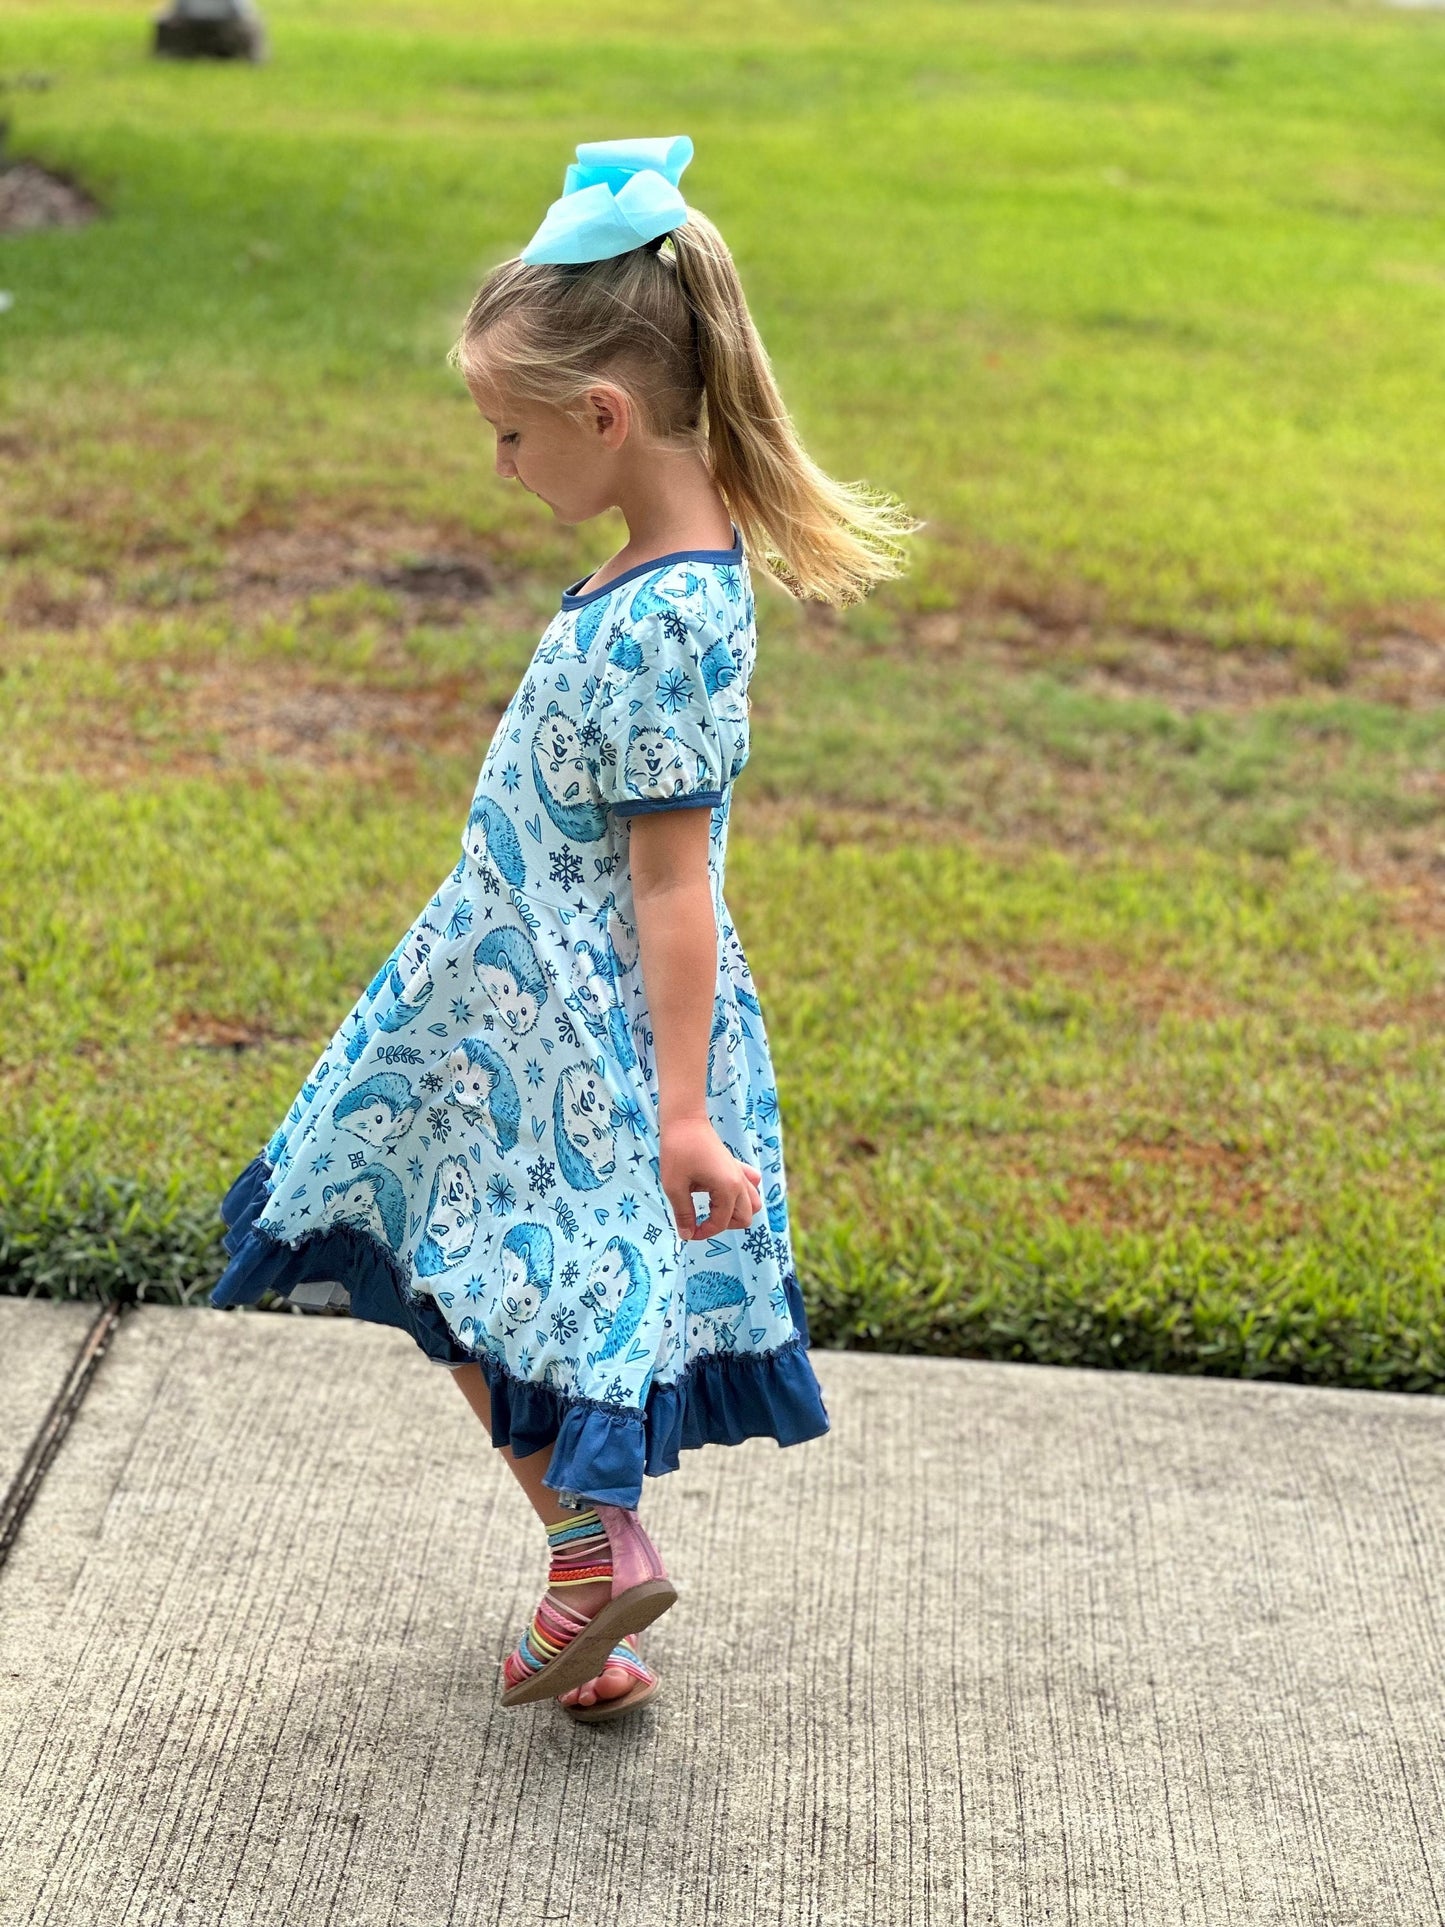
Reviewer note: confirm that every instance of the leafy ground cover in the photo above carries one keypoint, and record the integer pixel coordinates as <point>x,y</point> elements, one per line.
<point>1091,878</point>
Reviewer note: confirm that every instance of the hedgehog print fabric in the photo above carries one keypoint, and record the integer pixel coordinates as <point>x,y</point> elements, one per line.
<point>474,1158</point>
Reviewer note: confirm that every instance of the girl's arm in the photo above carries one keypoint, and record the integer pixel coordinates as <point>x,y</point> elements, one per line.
<point>677,938</point>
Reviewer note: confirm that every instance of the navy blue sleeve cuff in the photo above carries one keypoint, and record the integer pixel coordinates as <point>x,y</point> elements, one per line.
<point>697,800</point>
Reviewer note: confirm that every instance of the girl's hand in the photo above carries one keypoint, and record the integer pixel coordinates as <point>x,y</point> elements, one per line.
<point>694,1158</point>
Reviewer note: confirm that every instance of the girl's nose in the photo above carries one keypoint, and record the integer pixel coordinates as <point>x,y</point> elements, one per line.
<point>506,467</point>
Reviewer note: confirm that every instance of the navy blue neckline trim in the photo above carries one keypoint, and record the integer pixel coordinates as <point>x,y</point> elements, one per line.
<point>571,599</point>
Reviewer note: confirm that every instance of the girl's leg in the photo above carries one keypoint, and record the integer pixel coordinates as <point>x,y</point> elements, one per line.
<point>611,1682</point>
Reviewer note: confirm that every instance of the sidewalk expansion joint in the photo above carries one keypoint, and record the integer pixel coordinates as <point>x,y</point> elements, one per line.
<point>25,1487</point>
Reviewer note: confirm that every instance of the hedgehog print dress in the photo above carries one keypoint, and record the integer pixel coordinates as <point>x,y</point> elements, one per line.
<point>474,1157</point>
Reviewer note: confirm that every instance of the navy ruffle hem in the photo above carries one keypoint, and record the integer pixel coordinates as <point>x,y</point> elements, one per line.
<point>600,1452</point>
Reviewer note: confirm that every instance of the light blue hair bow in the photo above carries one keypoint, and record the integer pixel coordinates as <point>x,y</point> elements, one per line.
<point>617,196</point>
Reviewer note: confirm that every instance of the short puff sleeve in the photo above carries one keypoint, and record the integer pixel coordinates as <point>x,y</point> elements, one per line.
<point>669,716</point>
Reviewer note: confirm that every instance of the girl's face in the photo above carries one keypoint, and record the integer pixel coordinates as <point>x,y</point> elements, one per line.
<point>570,462</point>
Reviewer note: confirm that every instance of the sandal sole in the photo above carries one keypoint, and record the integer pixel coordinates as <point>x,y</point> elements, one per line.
<point>613,1709</point>
<point>630,1612</point>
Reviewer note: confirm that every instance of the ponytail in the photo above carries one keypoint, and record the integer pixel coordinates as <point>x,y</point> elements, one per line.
<point>827,541</point>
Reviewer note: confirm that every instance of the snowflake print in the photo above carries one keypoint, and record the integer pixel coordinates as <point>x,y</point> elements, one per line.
<point>569,1274</point>
<point>415,1169</point>
<point>631,1114</point>
<point>460,920</point>
<point>440,1123</point>
<point>616,1393</point>
<point>627,1207</point>
<point>461,1012</point>
<point>500,1195</point>
<point>590,733</point>
<point>320,1164</point>
<point>529,699</point>
<point>511,776</point>
<point>542,1176</point>
<point>474,1289</point>
<point>563,1324</point>
<point>674,627</point>
<point>674,692</point>
<point>767,1107</point>
<point>534,1072</point>
<point>430,1083</point>
<point>566,868</point>
<point>758,1242</point>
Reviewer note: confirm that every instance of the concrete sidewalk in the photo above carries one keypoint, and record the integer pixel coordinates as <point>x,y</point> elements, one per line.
<point>1013,1645</point>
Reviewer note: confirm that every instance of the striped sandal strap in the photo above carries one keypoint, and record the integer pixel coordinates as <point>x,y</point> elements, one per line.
<point>553,1628</point>
<point>625,1658</point>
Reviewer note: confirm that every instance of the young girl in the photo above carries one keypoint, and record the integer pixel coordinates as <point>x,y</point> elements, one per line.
<point>500,1149</point>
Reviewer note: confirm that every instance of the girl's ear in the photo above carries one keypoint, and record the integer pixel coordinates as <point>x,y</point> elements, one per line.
<point>609,415</point>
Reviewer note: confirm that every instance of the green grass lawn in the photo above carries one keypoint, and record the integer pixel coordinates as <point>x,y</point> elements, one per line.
<point>1090,876</point>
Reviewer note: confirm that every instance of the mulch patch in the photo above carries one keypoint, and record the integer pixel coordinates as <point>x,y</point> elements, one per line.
<point>32,198</point>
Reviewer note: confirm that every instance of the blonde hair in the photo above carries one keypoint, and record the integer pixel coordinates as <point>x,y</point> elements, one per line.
<point>673,328</point>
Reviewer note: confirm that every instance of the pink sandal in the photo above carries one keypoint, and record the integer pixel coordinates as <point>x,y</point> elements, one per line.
<point>645,1685</point>
<point>562,1648</point>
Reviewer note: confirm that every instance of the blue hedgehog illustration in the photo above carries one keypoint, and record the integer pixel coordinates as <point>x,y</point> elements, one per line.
<point>594,998</point>
<point>648,601</point>
<point>722,1048</point>
<point>624,652</point>
<point>491,843</point>
<point>378,982</point>
<point>564,783</point>
<point>474,1335</point>
<point>380,1111</point>
<point>718,668</point>
<point>370,1200</point>
<point>584,1127</point>
<point>589,621</point>
<point>716,1302</point>
<point>660,763</point>
<point>452,1215</point>
<point>739,975</point>
<point>526,1271</point>
<point>484,1090</point>
<point>621,936</point>
<point>507,967</point>
<point>618,1288</point>
<point>777,1206</point>
<point>407,1009</point>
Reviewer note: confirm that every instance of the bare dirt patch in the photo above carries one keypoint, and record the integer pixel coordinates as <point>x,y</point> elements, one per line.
<point>269,571</point>
<point>236,715</point>
<point>197,1030</point>
<point>1404,667</point>
<point>32,198</point>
